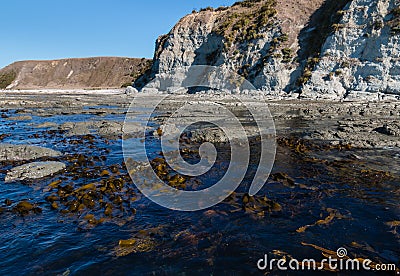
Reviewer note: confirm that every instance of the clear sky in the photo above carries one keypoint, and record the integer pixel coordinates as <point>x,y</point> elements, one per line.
<point>51,29</point>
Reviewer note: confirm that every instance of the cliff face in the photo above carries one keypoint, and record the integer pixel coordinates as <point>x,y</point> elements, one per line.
<point>363,55</point>
<point>286,46</point>
<point>257,39</point>
<point>98,72</point>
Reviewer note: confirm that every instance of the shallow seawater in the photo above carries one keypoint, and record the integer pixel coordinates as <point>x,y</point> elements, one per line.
<point>328,197</point>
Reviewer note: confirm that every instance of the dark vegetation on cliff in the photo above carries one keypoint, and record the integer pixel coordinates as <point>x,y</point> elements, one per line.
<point>246,23</point>
<point>138,71</point>
<point>7,78</point>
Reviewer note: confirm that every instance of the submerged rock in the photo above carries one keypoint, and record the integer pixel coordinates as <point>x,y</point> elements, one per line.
<point>34,170</point>
<point>9,152</point>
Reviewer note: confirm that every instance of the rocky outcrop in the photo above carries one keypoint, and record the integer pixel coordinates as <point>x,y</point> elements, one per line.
<point>363,55</point>
<point>9,152</point>
<point>130,90</point>
<point>320,49</point>
<point>104,128</point>
<point>253,38</point>
<point>74,73</point>
<point>34,170</point>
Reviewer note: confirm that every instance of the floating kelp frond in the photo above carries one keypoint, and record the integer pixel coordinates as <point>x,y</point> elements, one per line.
<point>327,220</point>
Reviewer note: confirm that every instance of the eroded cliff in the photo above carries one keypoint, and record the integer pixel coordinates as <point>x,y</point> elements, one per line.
<point>319,49</point>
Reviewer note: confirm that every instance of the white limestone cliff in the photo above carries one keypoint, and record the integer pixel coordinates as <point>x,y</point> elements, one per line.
<point>363,55</point>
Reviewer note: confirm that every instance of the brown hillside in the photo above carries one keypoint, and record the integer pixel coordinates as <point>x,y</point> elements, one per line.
<point>74,73</point>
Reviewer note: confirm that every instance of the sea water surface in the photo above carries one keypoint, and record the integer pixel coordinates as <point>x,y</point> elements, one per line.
<point>329,198</point>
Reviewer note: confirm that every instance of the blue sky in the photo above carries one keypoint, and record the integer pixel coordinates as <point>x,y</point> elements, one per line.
<point>51,29</point>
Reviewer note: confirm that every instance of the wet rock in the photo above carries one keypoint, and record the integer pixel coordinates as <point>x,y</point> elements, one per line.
<point>392,130</point>
<point>212,135</point>
<point>20,118</point>
<point>34,170</point>
<point>168,130</point>
<point>9,152</point>
<point>109,128</point>
<point>76,129</point>
<point>133,130</point>
<point>46,125</point>
<point>103,128</point>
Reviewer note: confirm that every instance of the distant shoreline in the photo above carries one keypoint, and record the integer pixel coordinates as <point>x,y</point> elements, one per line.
<point>65,91</point>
